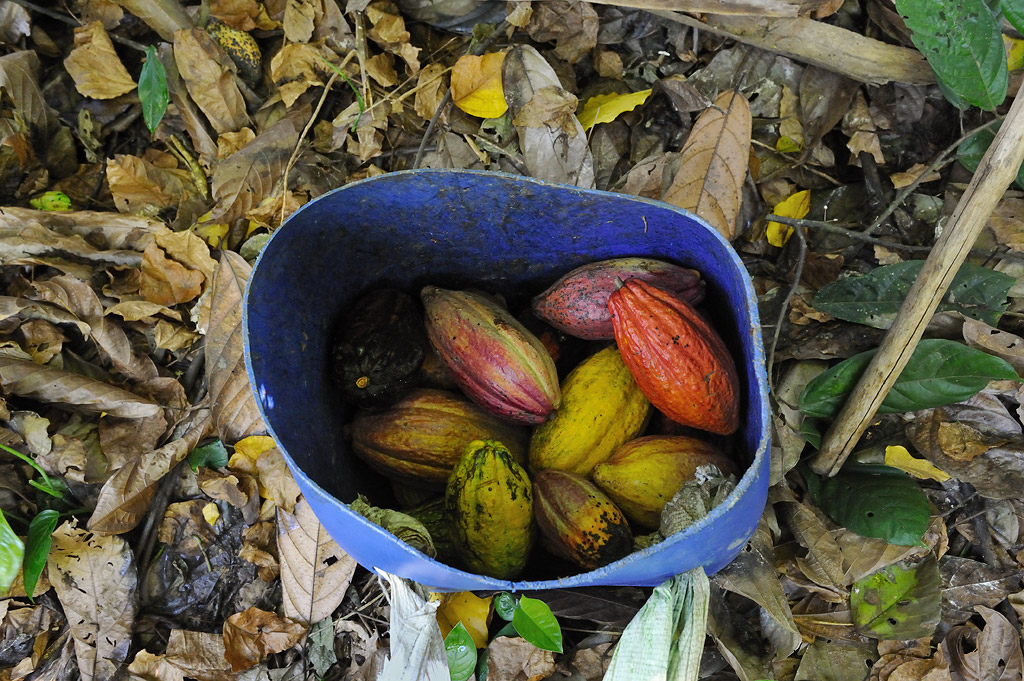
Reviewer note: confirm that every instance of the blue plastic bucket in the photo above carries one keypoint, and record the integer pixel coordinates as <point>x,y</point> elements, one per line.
<point>493,231</point>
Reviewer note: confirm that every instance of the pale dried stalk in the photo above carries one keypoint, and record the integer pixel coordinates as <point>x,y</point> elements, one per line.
<point>997,170</point>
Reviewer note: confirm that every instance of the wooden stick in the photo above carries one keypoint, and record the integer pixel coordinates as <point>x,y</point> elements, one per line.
<point>997,169</point>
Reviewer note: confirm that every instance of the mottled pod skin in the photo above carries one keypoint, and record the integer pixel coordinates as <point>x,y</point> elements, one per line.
<point>496,361</point>
<point>680,362</point>
<point>578,521</point>
<point>578,302</point>
<point>645,473</point>
<point>489,503</point>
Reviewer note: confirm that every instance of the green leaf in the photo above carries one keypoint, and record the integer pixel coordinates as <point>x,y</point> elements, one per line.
<point>12,551</point>
<point>505,605</point>
<point>321,649</point>
<point>461,653</point>
<point>875,501</point>
<point>535,622</point>
<point>213,455</point>
<point>811,430</point>
<point>972,149</point>
<point>875,298</point>
<point>940,372</point>
<point>963,44</point>
<point>37,547</point>
<point>508,631</point>
<point>1013,10</point>
<point>899,602</point>
<point>481,665</point>
<point>153,89</point>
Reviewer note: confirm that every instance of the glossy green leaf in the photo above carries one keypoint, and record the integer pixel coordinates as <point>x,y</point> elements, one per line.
<point>505,605</point>
<point>899,602</point>
<point>461,653</point>
<point>875,501</point>
<point>12,552</point>
<point>535,622</point>
<point>37,547</point>
<point>940,372</point>
<point>963,44</point>
<point>153,89</point>
<point>972,149</point>
<point>875,298</point>
<point>213,455</point>
<point>481,665</point>
<point>1013,10</point>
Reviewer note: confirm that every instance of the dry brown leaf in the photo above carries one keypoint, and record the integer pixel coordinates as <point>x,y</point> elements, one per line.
<point>163,16</point>
<point>550,106</point>
<point>713,164</point>
<point>251,635</point>
<point>141,187</point>
<point>430,90</point>
<point>19,79</point>
<point>123,440</point>
<point>168,282</point>
<point>56,386</point>
<point>276,479</point>
<point>125,496</point>
<point>105,231</point>
<point>136,310</point>
<point>96,581</point>
<point>1002,344</point>
<point>199,655</point>
<point>824,99</point>
<point>240,14</point>
<point>230,142</point>
<point>315,571</point>
<point>513,659</point>
<point>188,249</point>
<point>149,667</point>
<point>570,24</point>
<point>1007,223</point>
<point>172,336</point>
<point>12,307</point>
<point>299,20</point>
<point>994,654</point>
<point>381,68</point>
<point>235,411</point>
<point>95,66</point>
<point>823,563</point>
<point>388,31</point>
<point>209,77</point>
<point>241,492</point>
<point>296,68</point>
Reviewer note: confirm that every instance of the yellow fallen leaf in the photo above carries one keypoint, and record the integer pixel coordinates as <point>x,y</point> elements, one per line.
<point>467,608</point>
<point>788,145</point>
<point>1014,52</point>
<point>606,108</point>
<point>211,513</point>
<point>247,450</point>
<point>212,233</point>
<point>898,457</point>
<point>795,206</point>
<point>476,85</point>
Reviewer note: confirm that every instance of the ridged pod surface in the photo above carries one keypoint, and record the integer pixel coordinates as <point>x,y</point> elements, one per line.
<point>602,408</point>
<point>680,362</point>
<point>489,502</point>
<point>498,363</point>
<point>578,521</point>
<point>578,302</point>
<point>419,439</point>
<point>645,473</point>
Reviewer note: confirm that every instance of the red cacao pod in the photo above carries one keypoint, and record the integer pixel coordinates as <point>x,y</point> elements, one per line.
<point>679,361</point>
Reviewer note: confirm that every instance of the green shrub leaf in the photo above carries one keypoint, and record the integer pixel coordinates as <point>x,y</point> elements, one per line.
<point>12,552</point>
<point>898,602</point>
<point>461,653</point>
<point>875,298</point>
<point>962,42</point>
<point>213,455</point>
<point>971,150</point>
<point>505,605</point>
<point>153,89</point>
<point>940,372</point>
<point>535,622</point>
<point>37,547</point>
<point>875,501</point>
<point>1013,10</point>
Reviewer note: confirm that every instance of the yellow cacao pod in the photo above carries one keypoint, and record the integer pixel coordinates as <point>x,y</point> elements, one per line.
<point>602,408</point>
<point>489,502</point>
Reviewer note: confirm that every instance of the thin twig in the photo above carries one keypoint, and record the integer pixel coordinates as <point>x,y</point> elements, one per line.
<point>814,171</point>
<point>801,257</point>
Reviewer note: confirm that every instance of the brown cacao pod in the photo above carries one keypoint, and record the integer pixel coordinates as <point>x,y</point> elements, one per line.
<point>578,521</point>
<point>578,302</point>
<point>420,438</point>
<point>644,474</point>
<point>680,363</point>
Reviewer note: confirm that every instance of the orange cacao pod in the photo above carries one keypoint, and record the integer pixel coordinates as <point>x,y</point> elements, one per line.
<point>680,363</point>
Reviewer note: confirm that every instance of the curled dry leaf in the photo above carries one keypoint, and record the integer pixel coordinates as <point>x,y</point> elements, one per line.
<point>19,78</point>
<point>140,186</point>
<point>299,18</point>
<point>993,654</point>
<point>513,659</point>
<point>235,411</point>
<point>95,66</point>
<point>96,581</point>
<point>571,25</point>
<point>315,571</point>
<point>209,76</point>
<point>149,667</point>
<point>251,635</point>
<point>56,386</point>
<point>168,282</point>
<point>1003,344</point>
<point>713,164</point>
<point>199,655</point>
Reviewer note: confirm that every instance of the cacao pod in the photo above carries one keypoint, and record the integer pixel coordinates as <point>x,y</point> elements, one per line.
<point>420,438</point>
<point>602,408</point>
<point>489,502</point>
<point>578,302</point>
<point>680,363</point>
<point>578,521</point>
<point>644,474</point>
<point>498,363</point>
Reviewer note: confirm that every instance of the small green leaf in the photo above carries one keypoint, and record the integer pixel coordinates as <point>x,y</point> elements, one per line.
<point>1013,10</point>
<point>461,653</point>
<point>537,625</point>
<point>875,298</point>
<point>811,430</point>
<point>12,552</point>
<point>940,372</point>
<point>508,631</point>
<point>875,501</point>
<point>898,602</point>
<point>963,44</point>
<point>37,547</point>
<point>505,605</point>
<point>213,455</point>
<point>153,89</point>
<point>321,649</point>
<point>481,665</point>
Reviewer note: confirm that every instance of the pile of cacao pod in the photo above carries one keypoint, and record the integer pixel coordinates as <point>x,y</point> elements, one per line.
<point>574,422</point>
